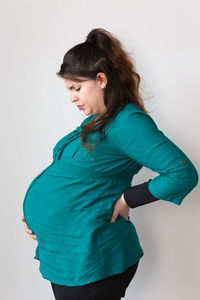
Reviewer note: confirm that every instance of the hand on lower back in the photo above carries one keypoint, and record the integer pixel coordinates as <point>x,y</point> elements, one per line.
<point>120,208</point>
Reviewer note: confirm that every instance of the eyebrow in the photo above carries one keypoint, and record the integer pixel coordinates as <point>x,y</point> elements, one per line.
<point>72,86</point>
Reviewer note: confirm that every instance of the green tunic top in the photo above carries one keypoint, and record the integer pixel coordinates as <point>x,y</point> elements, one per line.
<point>70,203</point>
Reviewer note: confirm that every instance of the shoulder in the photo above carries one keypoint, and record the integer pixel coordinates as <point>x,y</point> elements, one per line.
<point>129,112</point>
<point>131,117</point>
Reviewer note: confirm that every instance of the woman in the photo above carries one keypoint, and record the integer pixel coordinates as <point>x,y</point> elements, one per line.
<point>78,207</point>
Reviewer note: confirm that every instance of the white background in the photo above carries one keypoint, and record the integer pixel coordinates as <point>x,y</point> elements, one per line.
<point>163,37</point>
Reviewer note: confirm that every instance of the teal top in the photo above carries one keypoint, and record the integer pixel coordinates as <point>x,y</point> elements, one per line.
<point>69,205</point>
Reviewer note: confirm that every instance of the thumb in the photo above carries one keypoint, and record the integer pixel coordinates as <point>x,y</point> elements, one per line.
<point>114,216</point>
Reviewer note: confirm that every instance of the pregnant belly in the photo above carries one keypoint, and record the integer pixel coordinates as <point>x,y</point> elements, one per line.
<point>57,201</point>
<point>70,216</point>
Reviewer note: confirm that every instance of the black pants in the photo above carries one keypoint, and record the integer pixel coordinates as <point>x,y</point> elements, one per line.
<point>110,288</point>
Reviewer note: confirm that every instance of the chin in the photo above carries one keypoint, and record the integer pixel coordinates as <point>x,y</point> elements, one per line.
<point>87,112</point>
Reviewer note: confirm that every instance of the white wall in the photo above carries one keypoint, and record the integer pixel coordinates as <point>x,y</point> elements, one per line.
<point>163,37</point>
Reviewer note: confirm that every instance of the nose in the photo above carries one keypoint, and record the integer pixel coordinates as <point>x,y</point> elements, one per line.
<point>74,98</point>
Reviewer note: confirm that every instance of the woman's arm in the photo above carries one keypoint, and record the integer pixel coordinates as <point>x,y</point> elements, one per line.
<point>139,138</point>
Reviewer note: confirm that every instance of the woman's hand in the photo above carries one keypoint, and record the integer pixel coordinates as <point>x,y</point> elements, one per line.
<point>120,208</point>
<point>28,230</point>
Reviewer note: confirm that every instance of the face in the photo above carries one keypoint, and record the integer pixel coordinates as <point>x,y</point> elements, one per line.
<point>88,94</point>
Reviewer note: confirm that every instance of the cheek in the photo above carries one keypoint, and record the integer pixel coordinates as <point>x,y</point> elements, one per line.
<point>91,97</point>
<point>96,97</point>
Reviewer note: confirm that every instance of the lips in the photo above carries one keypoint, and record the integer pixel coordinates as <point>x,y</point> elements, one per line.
<point>80,106</point>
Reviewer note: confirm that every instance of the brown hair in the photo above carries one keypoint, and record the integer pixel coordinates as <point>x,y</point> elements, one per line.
<point>103,52</point>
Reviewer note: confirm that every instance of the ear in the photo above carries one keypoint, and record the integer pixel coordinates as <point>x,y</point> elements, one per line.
<point>101,79</point>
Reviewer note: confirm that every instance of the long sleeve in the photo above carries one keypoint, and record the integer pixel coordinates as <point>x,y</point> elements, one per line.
<point>139,138</point>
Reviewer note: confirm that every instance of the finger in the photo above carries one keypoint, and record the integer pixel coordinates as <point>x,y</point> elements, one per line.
<point>114,216</point>
<point>29,231</point>
<point>126,218</point>
<point>33,236</point>
<point>26,227</point>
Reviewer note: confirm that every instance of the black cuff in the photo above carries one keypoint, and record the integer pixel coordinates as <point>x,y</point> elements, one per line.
<point>139,195</point>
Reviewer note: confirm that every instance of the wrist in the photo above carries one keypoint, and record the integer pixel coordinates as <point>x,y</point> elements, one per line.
<point>123,199</point>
